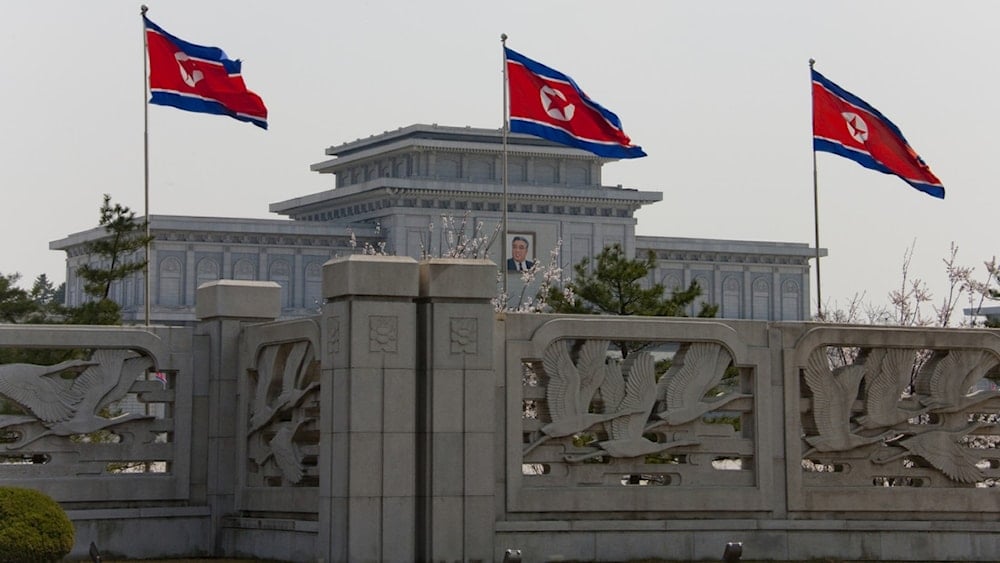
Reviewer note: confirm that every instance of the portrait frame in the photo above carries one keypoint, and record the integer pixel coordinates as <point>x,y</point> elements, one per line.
<point>529,237</point>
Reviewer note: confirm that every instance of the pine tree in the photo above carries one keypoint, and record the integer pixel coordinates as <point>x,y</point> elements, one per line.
<point>116,256</point>
<point>15,303</point>
<point>614,286</point>
<point>43,293</point>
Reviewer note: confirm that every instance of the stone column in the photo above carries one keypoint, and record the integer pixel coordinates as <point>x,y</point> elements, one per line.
<point>368,422</point>
<point>153,271</point>
<point>223,307</point>
<point>190,285</point>
<point>297,283</point>
<point>456,411</point>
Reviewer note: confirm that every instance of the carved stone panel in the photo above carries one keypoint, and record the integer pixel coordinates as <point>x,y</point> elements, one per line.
<point>283,410</point>
<point>909,416</point>
<point>464,337</point>
<point>644,412</point>
<point>383,334</point>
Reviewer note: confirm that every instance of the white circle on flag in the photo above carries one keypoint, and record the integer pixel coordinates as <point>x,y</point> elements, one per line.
<point>856,127</point>
<point>191,78</point>
<point>555,104</point>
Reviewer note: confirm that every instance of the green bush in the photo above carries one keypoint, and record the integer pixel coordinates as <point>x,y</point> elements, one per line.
<point>33,527</point>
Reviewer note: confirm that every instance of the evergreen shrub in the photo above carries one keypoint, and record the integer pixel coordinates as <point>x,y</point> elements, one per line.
<point>33,527</point>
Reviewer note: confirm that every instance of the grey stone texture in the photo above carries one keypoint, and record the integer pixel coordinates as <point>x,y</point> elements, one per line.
<point>420,425</point>
<point>238,300</point>
<point>371,422</point>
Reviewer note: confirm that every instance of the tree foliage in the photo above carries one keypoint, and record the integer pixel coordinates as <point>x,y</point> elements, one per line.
<point>118,254</point>
<point>615,286</point>
<point>102,312</point>
<point>33,527</point>
<point>44,294</point>
<point>23,307</point>
<point>16,304</point>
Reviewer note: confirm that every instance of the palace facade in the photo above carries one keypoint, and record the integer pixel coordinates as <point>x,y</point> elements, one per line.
<point>396,191</point>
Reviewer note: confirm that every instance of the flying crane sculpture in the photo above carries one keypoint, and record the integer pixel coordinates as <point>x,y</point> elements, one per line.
<point>632,400</point>
<point>67,407</point>
<point>571,389</point>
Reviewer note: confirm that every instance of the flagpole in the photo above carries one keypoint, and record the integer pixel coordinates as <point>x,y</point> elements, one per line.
<point>506,128</point>
<point>145,153</point>
<point>819,290</point>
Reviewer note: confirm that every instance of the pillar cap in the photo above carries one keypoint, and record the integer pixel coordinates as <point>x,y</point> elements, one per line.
<point>238,299</point>
<point>460,278</point>
<point>364,274</point>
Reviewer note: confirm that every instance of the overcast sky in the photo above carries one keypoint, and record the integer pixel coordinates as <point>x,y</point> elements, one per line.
<point>717,93</point>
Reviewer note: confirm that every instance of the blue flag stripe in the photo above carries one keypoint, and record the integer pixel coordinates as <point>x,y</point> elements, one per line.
<point>200,105</point>
<point>612,150</point>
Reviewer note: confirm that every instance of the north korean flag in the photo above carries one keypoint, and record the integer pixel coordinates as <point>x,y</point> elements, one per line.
<point>200,79</point>
<point>548,104</point>
<point>845,124</point>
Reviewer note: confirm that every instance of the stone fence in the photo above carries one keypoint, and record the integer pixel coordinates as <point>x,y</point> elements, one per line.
<point>410,422</point>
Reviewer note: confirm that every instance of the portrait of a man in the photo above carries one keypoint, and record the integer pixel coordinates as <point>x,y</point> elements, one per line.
<point>520,257</point>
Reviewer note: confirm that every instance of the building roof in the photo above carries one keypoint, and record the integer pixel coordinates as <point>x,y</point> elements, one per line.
<point>441,136</point>
<point>221,228</point>
<point>684,247</point>
<point>421,181</point>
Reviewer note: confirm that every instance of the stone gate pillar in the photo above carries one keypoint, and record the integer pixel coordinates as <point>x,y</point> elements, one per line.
<point>368,422</point>
<point>223,308</point>
<point>456,413</point>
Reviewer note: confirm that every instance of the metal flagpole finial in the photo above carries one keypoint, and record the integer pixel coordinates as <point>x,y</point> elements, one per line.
<point>503,38</point>
<point>811,62</point>
<point>143,9</point>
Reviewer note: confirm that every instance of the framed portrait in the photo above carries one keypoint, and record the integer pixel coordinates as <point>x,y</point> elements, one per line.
<point>520,251</point>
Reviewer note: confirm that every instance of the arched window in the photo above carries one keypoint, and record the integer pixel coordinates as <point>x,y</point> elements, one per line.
<point>671,282</point>
<point>244,269</point>
<point>706,293</point>
<point>280,273</point>
<point>170,284</point>
<point>313,297</point>
<point>791,301</point>
<point>731,298</point>
<point>761,303</point>
<point>207,271</point>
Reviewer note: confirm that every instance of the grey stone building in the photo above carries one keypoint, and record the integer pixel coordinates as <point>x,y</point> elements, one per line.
<point>396,190</point>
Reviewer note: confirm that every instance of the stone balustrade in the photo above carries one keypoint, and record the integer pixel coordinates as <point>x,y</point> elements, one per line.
<point>410,421</point>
